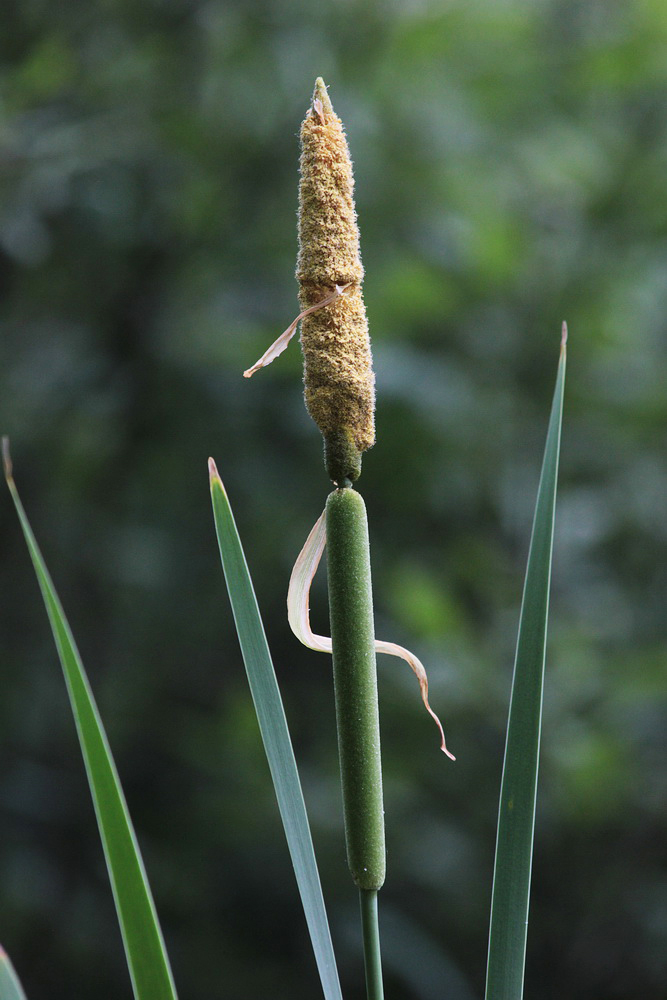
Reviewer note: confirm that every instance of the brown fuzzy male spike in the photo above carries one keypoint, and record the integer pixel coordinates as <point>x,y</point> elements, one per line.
<point>338,375</point>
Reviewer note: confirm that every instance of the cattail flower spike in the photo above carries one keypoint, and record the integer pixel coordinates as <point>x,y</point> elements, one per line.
<point>339,387</point>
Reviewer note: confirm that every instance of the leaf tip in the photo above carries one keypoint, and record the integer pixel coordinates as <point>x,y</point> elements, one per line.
<point>563,336</point>
<point>6,458</point>
<point>214,475</point>
<point>443,744</point>
<point>423,684</point>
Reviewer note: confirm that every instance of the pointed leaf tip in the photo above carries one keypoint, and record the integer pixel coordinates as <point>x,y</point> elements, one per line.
<point>214,475</point>
<point>6,458</point>
<point>563,335</point>
<point>10,987</point>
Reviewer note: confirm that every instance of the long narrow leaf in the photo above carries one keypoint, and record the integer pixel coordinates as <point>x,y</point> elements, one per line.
<point>144,947</point>
<point>10,987</point>
<point>275,734</point>
<point>516,819</point>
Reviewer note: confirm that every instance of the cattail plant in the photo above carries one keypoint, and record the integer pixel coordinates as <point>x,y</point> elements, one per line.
<point>339,392</point>
<point>339,395</point>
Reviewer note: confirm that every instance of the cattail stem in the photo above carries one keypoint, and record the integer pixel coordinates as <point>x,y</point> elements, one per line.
<point>355,684</point>
<point>339,394</point>
<point>368,899</point>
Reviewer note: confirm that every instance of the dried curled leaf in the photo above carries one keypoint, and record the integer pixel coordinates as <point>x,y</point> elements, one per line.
<point>298,593</point>
<point>298,615</point>
<point>279,345</point>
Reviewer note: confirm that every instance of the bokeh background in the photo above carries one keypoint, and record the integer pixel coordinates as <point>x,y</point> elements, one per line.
<point>511,167</point>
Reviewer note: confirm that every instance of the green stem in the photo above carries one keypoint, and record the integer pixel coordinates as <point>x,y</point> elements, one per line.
<point>355,685</point>
<point>368,899</point>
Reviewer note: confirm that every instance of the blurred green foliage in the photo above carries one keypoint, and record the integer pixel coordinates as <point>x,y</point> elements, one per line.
<point>511,164</point>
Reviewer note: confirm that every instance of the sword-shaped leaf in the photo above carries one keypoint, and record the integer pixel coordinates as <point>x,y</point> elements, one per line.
<point>516,818</point>
<point>144,947</point>
<point>10,987</point>
<point>275,734</point>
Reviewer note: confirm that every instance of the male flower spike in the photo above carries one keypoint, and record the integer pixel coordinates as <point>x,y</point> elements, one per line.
<point>338,374</point>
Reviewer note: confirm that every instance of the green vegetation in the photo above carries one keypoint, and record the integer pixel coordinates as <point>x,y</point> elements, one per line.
<point>518,794</point>
<point>275,734</point>
<point>355,683</point>
<point>144,948</point>
<point>10,987</point>
<point>510,163</point>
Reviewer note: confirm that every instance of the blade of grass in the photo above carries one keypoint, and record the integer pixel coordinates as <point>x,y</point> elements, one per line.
<point>275,734</point>
<point>144,947</point>
<point>10,987</point>
<point>516,818</point>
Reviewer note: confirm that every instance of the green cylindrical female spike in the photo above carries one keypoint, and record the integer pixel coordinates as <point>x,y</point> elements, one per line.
<point>355,683</point>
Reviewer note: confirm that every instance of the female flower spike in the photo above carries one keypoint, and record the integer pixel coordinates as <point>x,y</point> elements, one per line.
<point>338,373</point>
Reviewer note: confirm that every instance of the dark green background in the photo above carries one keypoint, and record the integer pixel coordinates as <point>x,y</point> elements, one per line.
<point>511,165</point>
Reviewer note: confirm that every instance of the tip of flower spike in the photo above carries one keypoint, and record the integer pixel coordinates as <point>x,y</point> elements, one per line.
<point>6,458</point>
<point>321,96</point>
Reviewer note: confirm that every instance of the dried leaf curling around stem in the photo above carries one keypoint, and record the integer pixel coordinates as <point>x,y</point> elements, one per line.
<point>298,615</point>
<point>338,373</point>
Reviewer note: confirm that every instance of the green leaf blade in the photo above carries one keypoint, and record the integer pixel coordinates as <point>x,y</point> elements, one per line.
<point>144,946</point>
<point>10,987</point>
<point>516,817</point>
<point>275,734</point>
